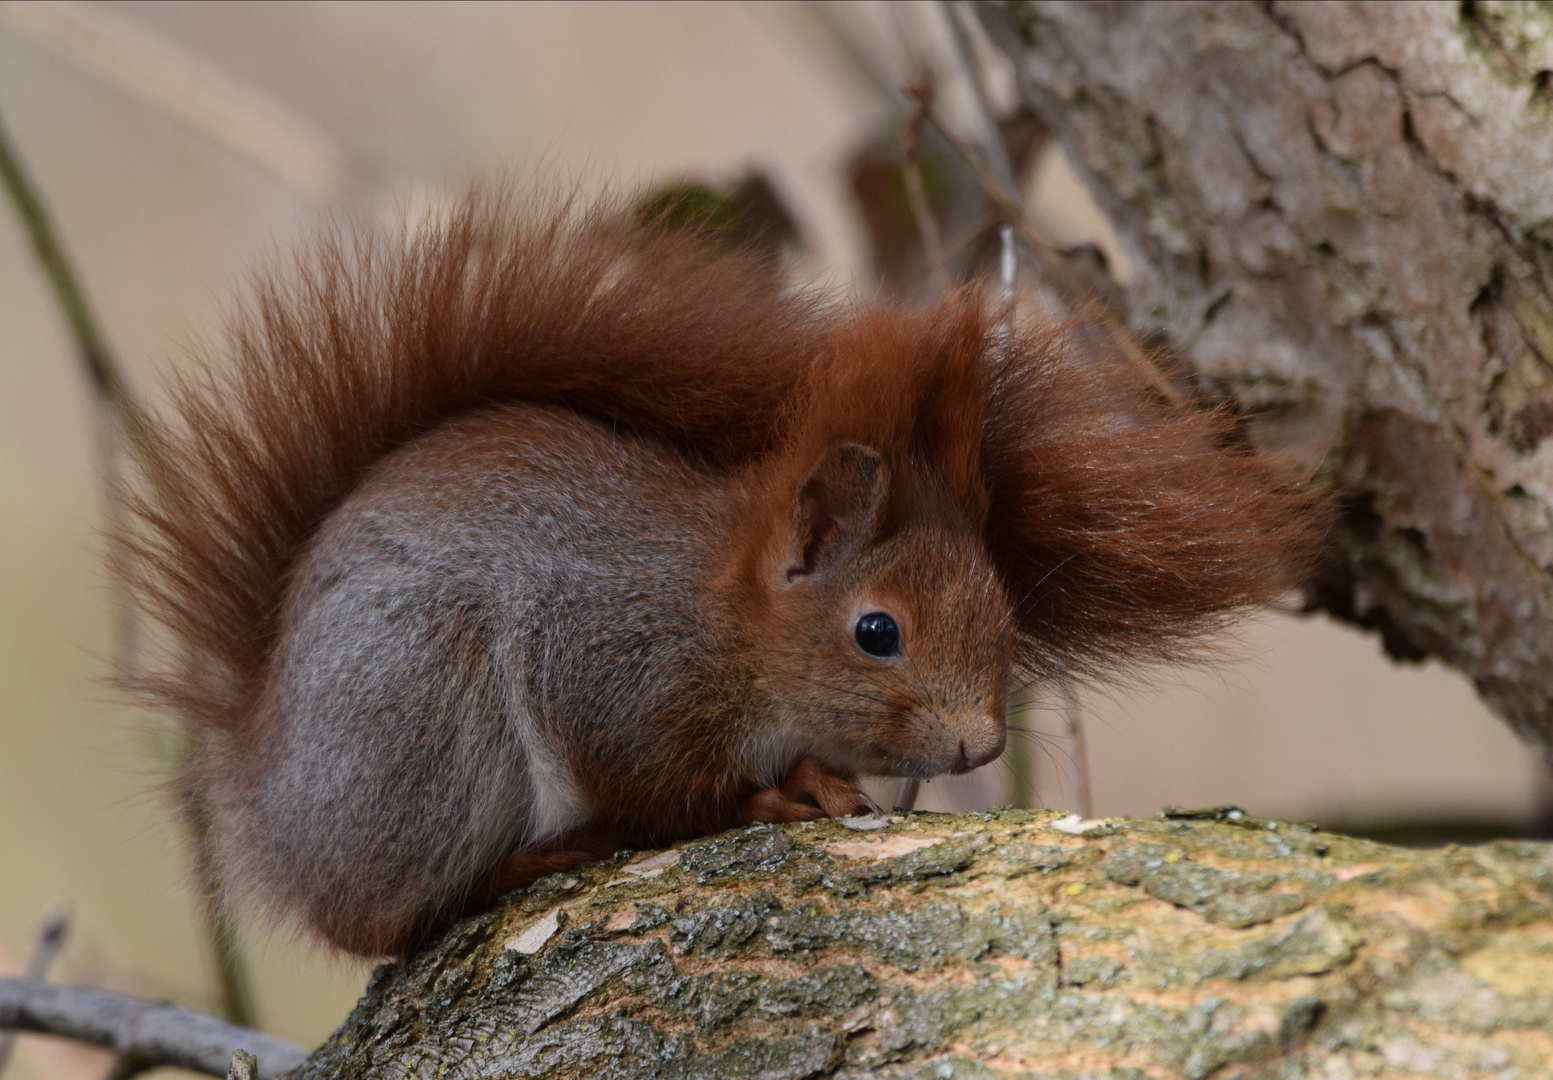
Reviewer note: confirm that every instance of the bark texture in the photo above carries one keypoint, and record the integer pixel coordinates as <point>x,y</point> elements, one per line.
<point>1014,943</point>
<point>1341,217</point>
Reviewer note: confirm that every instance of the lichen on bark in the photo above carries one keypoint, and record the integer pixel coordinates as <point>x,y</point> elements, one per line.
<point>1006,944</point>
<point>1340,218</point>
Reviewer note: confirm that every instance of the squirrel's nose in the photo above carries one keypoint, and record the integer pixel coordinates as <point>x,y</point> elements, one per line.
<point>980,751</point>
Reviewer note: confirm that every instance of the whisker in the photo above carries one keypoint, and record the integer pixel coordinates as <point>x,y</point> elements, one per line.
<point>1028,592</point>
<point>823,685</point>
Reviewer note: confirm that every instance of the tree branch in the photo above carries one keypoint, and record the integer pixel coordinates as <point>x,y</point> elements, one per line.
<point>46,943</point>
<point>157,1032</point>
<point>90,346</point>
<point>916,191</point>
<point>1011,943</point>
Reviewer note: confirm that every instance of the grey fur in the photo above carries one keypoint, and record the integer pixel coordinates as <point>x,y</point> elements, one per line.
<point>478,592</point>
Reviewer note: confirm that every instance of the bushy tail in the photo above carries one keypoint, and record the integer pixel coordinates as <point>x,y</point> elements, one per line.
<point>369,341</point>
<point>1125,529</point>
<point>1129,529</point>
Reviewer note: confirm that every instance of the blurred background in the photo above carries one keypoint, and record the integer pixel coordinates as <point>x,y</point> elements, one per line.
<point>181,145</point>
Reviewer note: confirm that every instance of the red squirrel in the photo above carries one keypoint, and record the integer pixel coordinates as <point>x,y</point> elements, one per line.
<point>538,534</point>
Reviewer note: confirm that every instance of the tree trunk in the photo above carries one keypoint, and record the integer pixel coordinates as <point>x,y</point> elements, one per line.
<point>1341,218</point>
<point>1013,943</point>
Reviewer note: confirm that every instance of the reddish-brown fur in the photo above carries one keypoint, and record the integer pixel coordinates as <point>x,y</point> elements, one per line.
<point>1122,529</point>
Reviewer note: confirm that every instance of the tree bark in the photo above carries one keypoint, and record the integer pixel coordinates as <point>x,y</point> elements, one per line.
<point>1341,218</point>
<point>1013,943</point>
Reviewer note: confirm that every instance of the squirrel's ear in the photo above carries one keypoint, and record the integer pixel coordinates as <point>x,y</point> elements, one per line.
<point>836,509</point>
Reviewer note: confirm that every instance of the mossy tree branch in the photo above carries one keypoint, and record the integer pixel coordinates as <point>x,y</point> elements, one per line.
<point>1014,943</point>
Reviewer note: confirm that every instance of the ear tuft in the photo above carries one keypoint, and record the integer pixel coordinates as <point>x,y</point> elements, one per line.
<point>836,509</point>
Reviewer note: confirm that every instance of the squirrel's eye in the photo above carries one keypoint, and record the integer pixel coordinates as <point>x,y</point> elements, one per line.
<point>878,634</point>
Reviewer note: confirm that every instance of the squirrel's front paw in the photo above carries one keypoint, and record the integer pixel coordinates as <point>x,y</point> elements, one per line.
<point>810,791</point>
<point>771,806</point>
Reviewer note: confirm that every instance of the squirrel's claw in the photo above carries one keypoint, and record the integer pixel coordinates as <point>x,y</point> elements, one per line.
<point>809,779</point>
<point>809,792</point>
<point>770,806</point>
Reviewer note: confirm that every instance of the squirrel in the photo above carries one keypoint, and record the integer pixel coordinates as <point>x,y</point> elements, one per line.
<point>539,533</point>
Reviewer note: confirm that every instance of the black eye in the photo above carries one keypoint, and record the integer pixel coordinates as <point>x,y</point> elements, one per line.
<point>878,634</point>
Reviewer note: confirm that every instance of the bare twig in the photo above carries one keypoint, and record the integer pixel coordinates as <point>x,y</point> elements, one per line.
<point>995,174</point>
<point>1074,719</point>
<point>237,1003</point>
<point>46,943</point>
<point>1058,269</point>
<point>1017,754</point>
<point>1008,271</point>
<point>127,421</point>
<point>93,351</point>
<point>158,1032</point>
<point>1021,782</point>
<point>916,193</point>
<point>997,153</point>
<point>1008,275</point>
<point>118,418</point>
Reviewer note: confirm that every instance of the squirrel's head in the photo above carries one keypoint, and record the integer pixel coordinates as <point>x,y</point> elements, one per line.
<point>953,502</point>
<point>890,632</point>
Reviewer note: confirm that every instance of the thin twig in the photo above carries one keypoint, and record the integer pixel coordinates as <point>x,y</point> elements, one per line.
<point>119,404</point>
<point>997,180</point>
<point>49,938</point>
<point>921,93</point>
<point>1008,272</point>
<point>159,1032</point>
<point>117,418</point>
<point>90,346</point>
<point>237,1003</point>
<point>997,152</point>
<point>1021,779</point>
<point>1057,267</point>
<point>1074,719</point>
